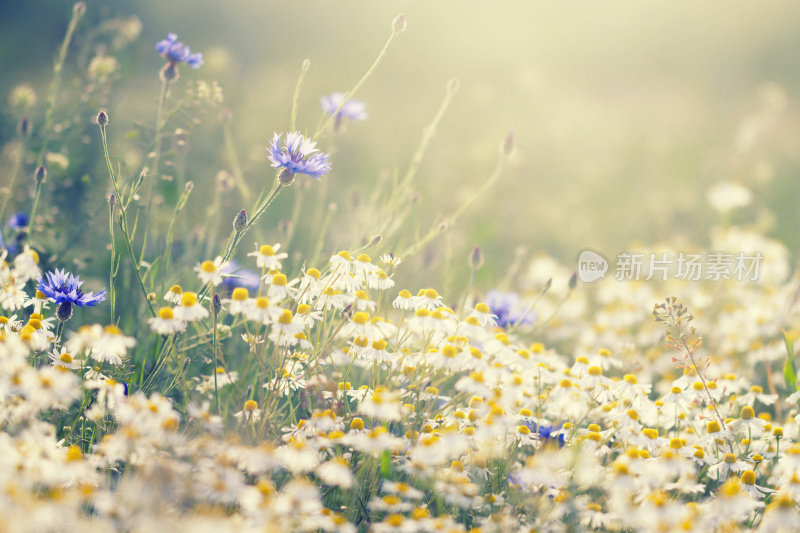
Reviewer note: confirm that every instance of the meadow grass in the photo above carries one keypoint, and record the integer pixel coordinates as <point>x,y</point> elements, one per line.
<point>217,371</point>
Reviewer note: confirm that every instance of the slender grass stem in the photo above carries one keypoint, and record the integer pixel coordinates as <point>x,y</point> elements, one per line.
<point>350,94</point>
<point>55,84</point>
<point>123,221</point>
<point>12,177</point>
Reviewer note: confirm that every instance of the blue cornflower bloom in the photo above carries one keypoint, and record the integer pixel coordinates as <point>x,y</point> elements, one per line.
<point>297,156</point>
<point>18,221</point>
<point>65,288</point>
<point>239,277</point>
<point>508,308</point>
<point>175,51</point>
<point>352,109</point>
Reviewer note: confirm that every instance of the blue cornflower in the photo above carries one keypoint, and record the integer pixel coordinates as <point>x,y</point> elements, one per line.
<point>65,288</point>
<point>18,221</point>
<point>297,156</point>
<point>239,277</point>
<point>352,109</point>
<point>507,307</point>
<point>175,51</point>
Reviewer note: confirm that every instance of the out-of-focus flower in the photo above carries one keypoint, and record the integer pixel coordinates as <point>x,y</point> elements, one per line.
<point>175,51</point>
<point>352,109</point>
<point>508,308</point>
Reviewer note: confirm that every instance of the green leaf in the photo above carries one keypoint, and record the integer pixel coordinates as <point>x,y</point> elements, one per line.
<point>386,464</point>
<point>789,368</point>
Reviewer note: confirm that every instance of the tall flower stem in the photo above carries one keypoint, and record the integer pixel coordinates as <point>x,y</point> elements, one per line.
<point>350,94</point>
<point>123,220</point>
<point>52,93</point>
<point>154,175</point>
<point>12,177</point>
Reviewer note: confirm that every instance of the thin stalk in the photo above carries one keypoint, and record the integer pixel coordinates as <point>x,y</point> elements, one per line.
<point>55,84</point>
<point>12,178</point>
<point>112,272</point>
<point>448,222</point>
<point>123,221</point>
<point>233,160</point>
<point>358,85</point>
<point>296,95</point>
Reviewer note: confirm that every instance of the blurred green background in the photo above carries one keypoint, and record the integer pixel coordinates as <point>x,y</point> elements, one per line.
<point>624,112</point>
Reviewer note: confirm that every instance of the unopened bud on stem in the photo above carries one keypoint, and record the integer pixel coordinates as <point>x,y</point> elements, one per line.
<point>40,175</point>
<point>216,305</point>
<point>240,221</point>
<point>24,127</point>
<point>508,144</point>
<point>453,85</point>
<point>399,23</point>
<point>573,280</point>
<point>476,258</point>
<point>102,118</point>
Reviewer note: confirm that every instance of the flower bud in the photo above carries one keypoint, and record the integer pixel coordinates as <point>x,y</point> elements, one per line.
<point>216,304</point>
<point>453,85</point>
<point>508,144</point>
<point>286,177</point>
<point>573,280</point>
<point>112,200</point>
<point>240,221</point>
<point>24,127</point>
<point>399,24</point>
<point>40,175</point>
<point>79,9</point>
<point>169,72</point>
<point>375,240</point>
<point>64,311</point>
<point>306,64</point>
<point>102,118</point>
<point>476,258</point>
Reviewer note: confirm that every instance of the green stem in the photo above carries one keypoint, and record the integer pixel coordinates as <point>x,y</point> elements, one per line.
<point>12,178</point>
<point>296,96</point>
<point>52,92</point>
<point>123,221</point>
<point>358,85</point>
<point>440,228</point>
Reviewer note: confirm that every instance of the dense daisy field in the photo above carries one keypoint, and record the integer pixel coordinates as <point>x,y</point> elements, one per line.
<point>227,348</point>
